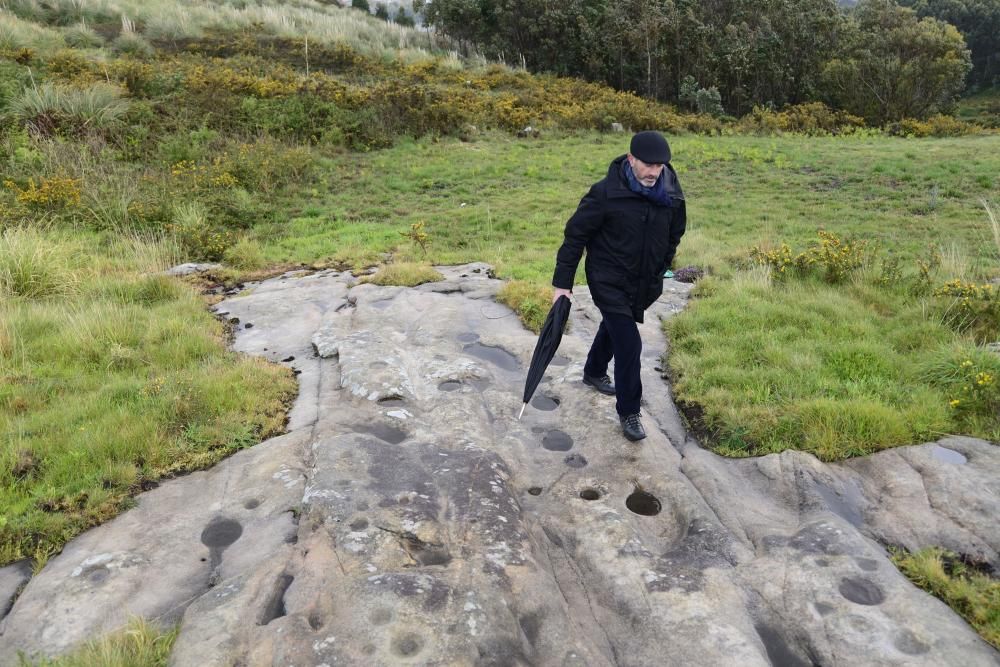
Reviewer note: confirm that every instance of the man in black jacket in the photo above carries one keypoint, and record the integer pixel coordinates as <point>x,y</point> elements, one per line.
<point>630,224</point>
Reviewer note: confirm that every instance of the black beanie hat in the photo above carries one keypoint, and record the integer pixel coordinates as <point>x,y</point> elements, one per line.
<point>650,147</point>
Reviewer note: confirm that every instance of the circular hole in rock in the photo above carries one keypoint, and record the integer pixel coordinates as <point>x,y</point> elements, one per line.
<point>557,441</point>
<point>359,524</point>
<point>450,385</point>
<point>220,532</point>
<point>407,645</point>
<point>861,591</point>
<point>575,461</point>
<point>590,494</point>
<point>546,403</point>
<point>253,503</point>
<point>644,503</point>
<point>535,490</point>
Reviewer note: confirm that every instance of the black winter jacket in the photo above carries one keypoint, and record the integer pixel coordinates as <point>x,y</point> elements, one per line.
<point>630,243</point>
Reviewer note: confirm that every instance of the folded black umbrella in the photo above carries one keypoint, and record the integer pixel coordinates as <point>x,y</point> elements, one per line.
<point>545,348</point>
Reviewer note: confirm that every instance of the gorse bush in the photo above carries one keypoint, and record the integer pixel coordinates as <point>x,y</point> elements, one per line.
<point>834,258</point>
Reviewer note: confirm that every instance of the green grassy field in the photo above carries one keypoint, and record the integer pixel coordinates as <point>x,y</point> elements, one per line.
<point>127,146</point>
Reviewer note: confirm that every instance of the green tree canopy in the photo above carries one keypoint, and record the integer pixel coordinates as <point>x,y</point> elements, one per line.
<point>979,23</point>
<point>896,65</point>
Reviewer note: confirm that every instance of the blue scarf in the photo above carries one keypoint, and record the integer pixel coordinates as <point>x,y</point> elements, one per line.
<point>656,194</point>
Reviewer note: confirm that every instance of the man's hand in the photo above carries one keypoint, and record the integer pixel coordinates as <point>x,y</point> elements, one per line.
<point>558,292</point>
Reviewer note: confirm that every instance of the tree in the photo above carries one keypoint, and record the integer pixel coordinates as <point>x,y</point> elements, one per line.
<point>896,65</point>
<point>402,18</point>
<point>979,23</point>
<point>360,4</point>
<point>381,11</point>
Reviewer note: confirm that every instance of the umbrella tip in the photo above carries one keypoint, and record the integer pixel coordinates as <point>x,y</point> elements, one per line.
<point>523,406</point>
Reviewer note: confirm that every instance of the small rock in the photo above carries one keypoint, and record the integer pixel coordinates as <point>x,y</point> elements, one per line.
<point>287,359</point>
<point>248,325</point>
<point>617,127</point>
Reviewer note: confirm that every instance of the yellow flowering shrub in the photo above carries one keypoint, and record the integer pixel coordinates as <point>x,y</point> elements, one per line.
<point>58,192</point>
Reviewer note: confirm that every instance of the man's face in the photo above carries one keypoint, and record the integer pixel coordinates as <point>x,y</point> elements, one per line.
<point>646,173</point>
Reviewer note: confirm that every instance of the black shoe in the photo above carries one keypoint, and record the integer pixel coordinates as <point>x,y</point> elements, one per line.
<point>601,384</point>
<point>632,427</point>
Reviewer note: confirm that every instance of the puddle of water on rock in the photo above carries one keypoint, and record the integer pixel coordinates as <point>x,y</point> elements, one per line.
<point>557,441</point>
<point>468,337</point>
<point>867,564</point>
<point>450,385</point>
<point>846,506</point>
<point>644,503</point>
<point>947,455</point>
<point>559,360</point>
<point>382,432</point>
<point>575,461</point>
<point>545,403</point>
<point>221,532</point>
<point>495,355</point>
<point>861,591</point>
<point>778,650</point>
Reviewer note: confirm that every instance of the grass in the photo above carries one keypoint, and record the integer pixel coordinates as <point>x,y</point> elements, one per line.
<point>531,301</point>
<point>973,595</point>
<point>406,274</point>
<point>112,378</point>
<point>140,644</point>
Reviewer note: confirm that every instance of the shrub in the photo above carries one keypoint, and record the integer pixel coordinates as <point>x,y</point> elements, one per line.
<point>192,230</point>
<point>937,125</point>
<point>810,118</point>
<point>971,308</point>
<point>54,193</point>
<point>132,44</point>
<point>835,257</point>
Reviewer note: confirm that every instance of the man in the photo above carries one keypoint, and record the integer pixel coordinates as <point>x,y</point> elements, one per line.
<point>630,224</point>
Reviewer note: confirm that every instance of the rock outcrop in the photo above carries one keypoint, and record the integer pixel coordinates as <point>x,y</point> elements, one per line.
<point>408,517</point>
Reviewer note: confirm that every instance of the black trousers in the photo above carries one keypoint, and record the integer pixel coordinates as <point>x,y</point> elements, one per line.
<point>618,337</point>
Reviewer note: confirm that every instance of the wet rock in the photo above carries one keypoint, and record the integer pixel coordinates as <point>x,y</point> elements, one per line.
<point>409,517</point>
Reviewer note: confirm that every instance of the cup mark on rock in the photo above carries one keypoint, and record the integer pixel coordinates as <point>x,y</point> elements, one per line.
<point>590,494</point>
<point>467,337</point>
<point>407,645</point>
<point>535,490</point>
<point>643,503</point>
<point>450,385</point>
<point>545,403</point>
<point>940,453</point>
<point>575,461</point>
<point>907,642</point>
<point>861,591</point>
<point>359,524</point>
<point>867,564</point>
<point>221,532</point>
<point>495,355</point>
<point>382,432</point>
<point>251,504</point>
<point>557,441</point>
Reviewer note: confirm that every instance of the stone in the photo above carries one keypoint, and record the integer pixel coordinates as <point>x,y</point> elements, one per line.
<point>192,267</point>
<point>617,127</point>
<point>408,516</point>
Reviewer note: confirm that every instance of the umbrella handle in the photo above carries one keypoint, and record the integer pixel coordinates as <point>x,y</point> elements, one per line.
<point>523,406</point>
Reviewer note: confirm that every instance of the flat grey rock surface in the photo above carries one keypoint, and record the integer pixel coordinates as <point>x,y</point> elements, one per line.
<point>408,517</point>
